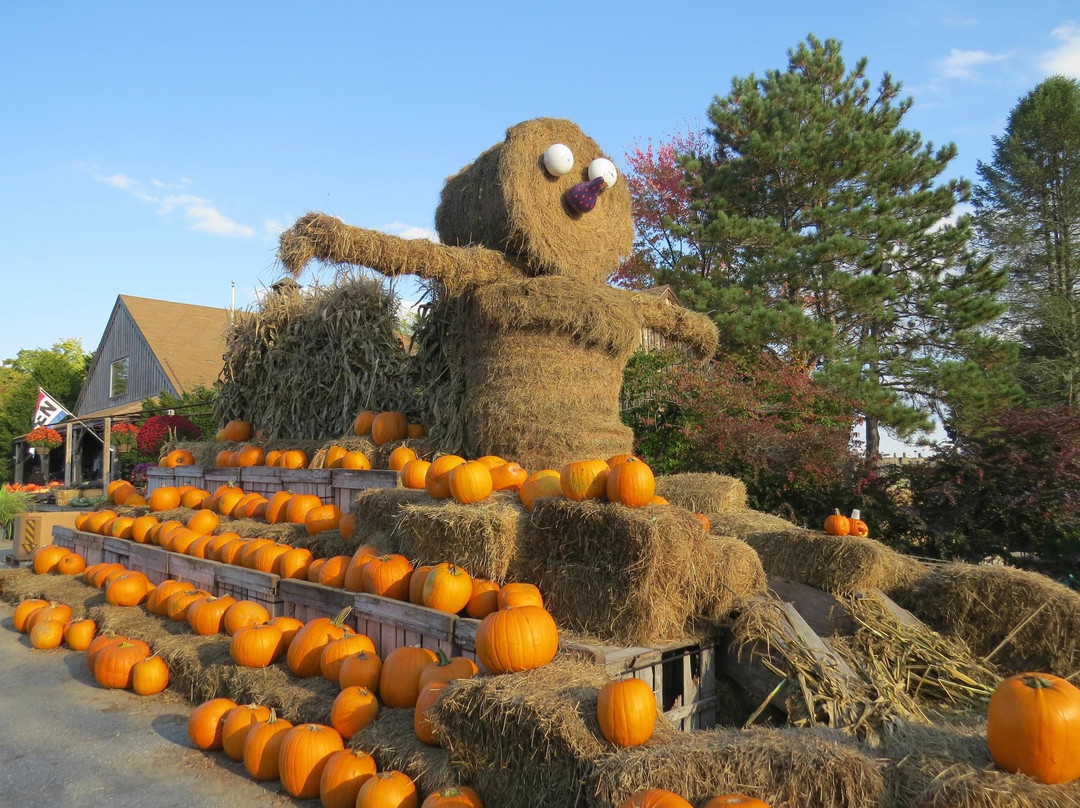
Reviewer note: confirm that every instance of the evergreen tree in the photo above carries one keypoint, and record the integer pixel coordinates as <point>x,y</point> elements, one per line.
<point>1028,219</point>
<point>840,252</point>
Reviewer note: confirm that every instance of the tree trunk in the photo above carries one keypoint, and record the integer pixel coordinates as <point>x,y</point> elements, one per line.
<point>873,438</point>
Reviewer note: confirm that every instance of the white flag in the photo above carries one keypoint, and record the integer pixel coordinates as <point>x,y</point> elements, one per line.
<point>48,410</point>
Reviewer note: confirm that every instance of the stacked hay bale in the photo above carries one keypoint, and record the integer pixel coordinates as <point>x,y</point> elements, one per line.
<point>632,576</point>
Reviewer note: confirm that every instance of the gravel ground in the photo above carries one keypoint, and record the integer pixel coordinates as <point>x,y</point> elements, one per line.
<point>64,741</point>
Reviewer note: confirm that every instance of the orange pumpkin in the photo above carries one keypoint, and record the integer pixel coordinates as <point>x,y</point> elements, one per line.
<point>584,479</point>
<point>80,634</point>
<point>429,694</point>
<point>302,756</point>
<point>24,610</point>
<point>73,563</point>
<point>353,709</point>
<point>47,557</point>
<point>239,721</point>
<point>655,798</point>
<point>355,460</point>
<point>294,459</point>
<point>388,575</point>
<point>346,525</point>
<point>445,669</point>
<point>837,524</point>
<point>508,477</point>
<point>361,670</point>
<point>362,424</point>
<point>322,518</point>
<point>204,522</point>
<point>631,483</point>
<point>242,614</point>
<point>543,483</point>
<point>345,772</point>
<point>470,482</point>
<point>447,587</point>
<point>237,431</point>
<point>127,589</point>
<point>516,639</point>
<point>293,563</point>
<point>519,594</point>
<point>194,498</point>
<point>178,457</point>
<point>857,526</point>
<point>298,507</point>
<point>206,616</point>
<point>46,635</point>
<point>304,657</point>
<point>417,431</point>
<point>262,745</point>
<point>334,653</point>
<point>626,710</point>
<point>484,599</point>
<point>735,801</point>
<point>389,426</point>
<point>1032,724</point>
<point>114,664</point>
<point>333,571</point>
<point>416,584</point>
<point>453,797</point>
<point>438,475</point>
<point>276,511</point>
<point>256,646</point>
<point>165,498</point>
<point>150,676</point>
<point>389,788</point>
<point>399,457</point>
<point>399,679</point>
<point>332,459</point>
<point>414,474</point>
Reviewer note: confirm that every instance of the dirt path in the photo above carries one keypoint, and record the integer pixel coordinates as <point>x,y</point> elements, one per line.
<point>66,741</point>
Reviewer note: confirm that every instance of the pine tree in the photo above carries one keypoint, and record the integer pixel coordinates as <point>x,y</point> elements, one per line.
<point>841,251</point>
<point>1028,219</point>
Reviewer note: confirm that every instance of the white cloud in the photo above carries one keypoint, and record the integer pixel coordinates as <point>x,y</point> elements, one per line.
<point>203,216</point>
<point>963,209</point>
<point>962,64</point>
<point>272,227</point>
<point>958,21</point>
<point>117,180</point>
<point>411,231</point>
<point>1065,58</point>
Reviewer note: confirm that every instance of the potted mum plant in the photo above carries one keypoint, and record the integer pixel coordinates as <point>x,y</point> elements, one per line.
<point>44,439</point>
<point>124,436</point>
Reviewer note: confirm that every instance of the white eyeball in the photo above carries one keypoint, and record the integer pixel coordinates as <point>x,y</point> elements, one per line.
<point>558,160</point>
<point>603,167</point>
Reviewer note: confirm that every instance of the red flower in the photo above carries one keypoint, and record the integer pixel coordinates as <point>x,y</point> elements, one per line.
<point>44,437</point>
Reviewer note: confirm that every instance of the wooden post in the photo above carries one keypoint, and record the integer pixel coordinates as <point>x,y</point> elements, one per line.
<point>68,454</point>
<point>106,456</point>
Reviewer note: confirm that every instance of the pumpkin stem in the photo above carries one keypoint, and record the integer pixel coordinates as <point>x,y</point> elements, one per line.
<point>441,659</point>
<point>273,716</point>
<point>1033,680</point>
<point>340,619</point>
<point>836,512</point>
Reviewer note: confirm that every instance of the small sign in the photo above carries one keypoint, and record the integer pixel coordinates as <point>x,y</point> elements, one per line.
<point>48,410</point>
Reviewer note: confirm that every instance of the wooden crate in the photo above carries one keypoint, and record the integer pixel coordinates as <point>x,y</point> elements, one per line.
<point>393,623</point>
<point>306,601</point>
<point>345,484</point>
<point>265,480</point>
<point>246,584</point>
<point>682,676</point>
<point>216,477</point>
<point>88,545</point>
<point>116,551</point>
<point>159,477</point>
<point>189,475</point>
<point>151,560</point>
<point>198,571</point>
<point>465,638</point>
<point>308,481</point>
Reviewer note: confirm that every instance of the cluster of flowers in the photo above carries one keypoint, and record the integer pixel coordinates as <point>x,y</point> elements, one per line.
<point>160,428</point>
<point>124,434</point>
<point>44,437</point>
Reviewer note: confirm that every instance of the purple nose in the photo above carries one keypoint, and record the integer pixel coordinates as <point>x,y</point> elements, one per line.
<point>582,197</point>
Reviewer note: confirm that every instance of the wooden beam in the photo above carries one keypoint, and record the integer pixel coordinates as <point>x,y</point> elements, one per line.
<point>825,614</point>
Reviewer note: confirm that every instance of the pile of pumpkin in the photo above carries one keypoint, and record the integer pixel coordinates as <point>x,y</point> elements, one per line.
<point>836,524</point>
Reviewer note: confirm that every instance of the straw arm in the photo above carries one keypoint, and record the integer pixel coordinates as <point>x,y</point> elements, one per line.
<point>694,330</point>
<point>328,239</point>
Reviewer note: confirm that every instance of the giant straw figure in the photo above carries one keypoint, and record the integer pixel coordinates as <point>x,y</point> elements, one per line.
<point>530,231</point>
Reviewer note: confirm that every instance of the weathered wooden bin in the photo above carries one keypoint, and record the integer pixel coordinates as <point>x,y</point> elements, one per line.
<point>265,480</point>
<point>150,560</point>
<point>116,551</point>
<point>345,484</point>
<point>89,545</point>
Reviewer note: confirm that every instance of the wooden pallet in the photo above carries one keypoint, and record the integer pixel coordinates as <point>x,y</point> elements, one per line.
<point>115,551</point>
<point>247,584</point>
<point>150,560</point>
<point>345,484</point>
<point>197,571</point>
<point>265,480</point>
<point>306,601</point>
<point>308,481</point>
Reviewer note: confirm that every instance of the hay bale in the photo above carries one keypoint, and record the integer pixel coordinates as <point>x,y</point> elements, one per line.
<point>377,514</point>
<point>482,538</point>
<point>708,493</point>
<point>351,442</point>
<point>391,740</point>
<point>1034,620</point>
<point>24,584</point>
<point>949,766</point>
<point>635,576</point>
<point>835,564</point>
<point>545,715</point>
<point>424,448</point>
<point>787,768</point>
<point>277,356</point>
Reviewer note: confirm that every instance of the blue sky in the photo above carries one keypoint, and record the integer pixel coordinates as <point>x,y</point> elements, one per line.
<point>156,148</point>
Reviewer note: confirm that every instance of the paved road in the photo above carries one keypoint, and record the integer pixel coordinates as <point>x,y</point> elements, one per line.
<point>64,741</point>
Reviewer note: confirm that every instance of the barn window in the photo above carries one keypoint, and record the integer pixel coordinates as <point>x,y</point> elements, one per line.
<point>118,377</point>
